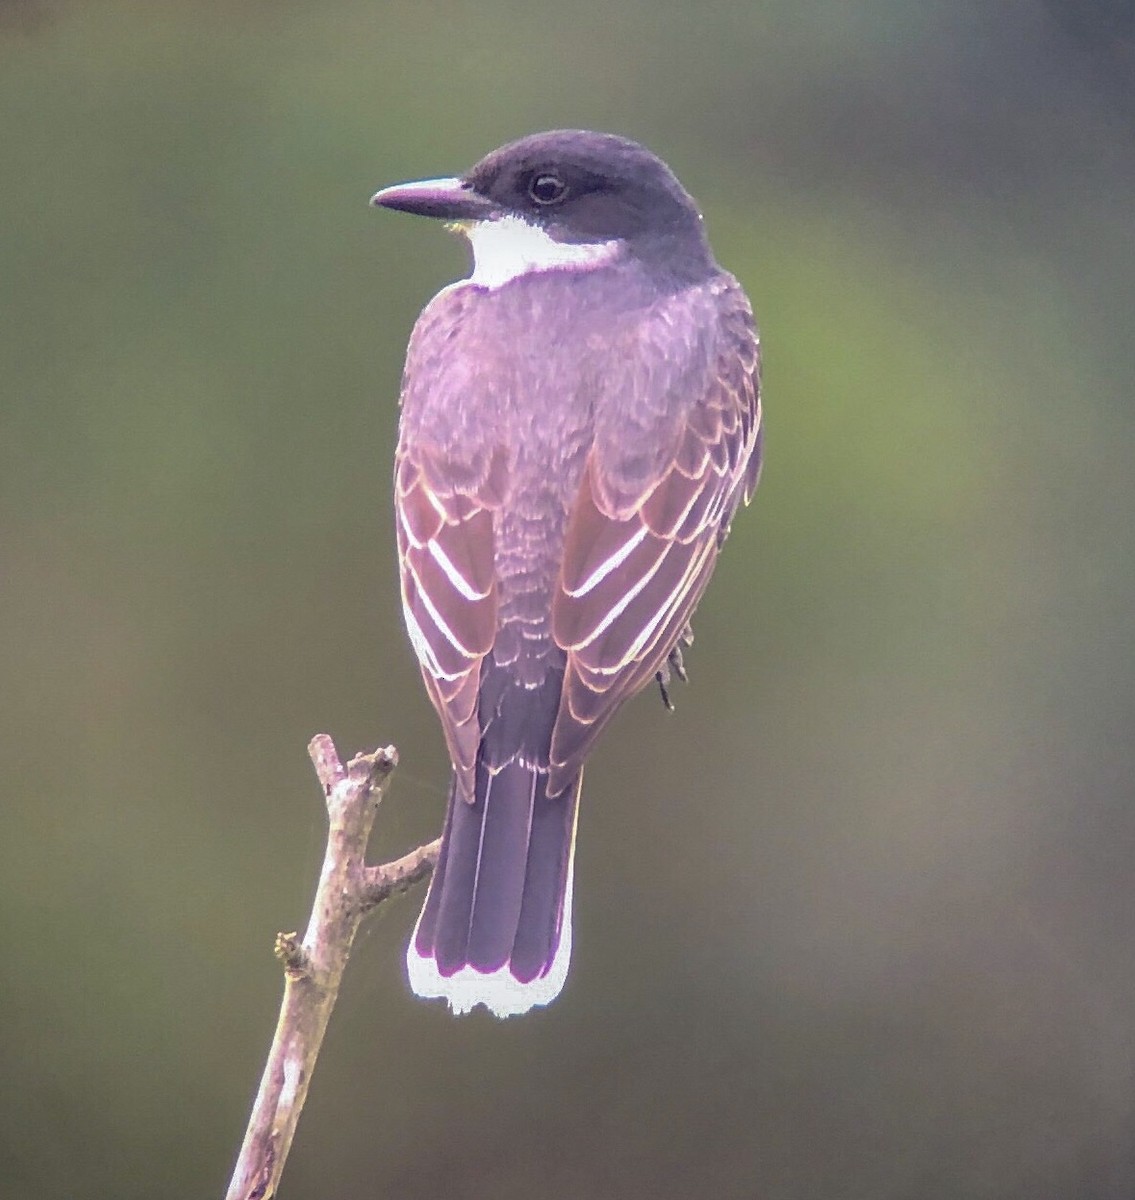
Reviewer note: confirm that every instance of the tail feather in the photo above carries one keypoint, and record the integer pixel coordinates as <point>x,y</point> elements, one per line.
<point>496,925</point>
<point>547,893</point>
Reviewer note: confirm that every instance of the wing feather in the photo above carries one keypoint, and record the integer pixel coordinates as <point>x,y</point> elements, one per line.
<point>640,547</point>
<point>445,539</point>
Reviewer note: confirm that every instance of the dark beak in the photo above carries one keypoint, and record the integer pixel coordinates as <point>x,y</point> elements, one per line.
<point>446,199</point>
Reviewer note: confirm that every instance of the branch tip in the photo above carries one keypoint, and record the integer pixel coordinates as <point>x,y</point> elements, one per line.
<point>325,758</point>
<point>368,773</point>
<point>375,767</point>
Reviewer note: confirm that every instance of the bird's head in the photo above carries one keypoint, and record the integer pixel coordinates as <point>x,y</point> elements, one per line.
<point>565,199</point>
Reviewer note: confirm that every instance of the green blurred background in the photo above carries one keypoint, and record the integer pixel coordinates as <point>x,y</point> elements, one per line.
<point>857,920</point>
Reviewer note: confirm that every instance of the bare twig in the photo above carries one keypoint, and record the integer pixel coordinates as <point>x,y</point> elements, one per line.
<point>313,968</point>
<point>393,878</point>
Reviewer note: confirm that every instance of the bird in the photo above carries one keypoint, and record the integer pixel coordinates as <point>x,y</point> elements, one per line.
<point>580,419</point>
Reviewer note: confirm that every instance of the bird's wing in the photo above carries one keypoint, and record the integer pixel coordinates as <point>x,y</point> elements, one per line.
<point>444,519</point>
<point>662,482</point>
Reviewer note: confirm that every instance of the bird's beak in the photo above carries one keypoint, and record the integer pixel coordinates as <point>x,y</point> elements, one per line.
<point>446,199</point>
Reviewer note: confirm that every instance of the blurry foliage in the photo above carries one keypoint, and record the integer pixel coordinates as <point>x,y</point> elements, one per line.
<point>854,922</point>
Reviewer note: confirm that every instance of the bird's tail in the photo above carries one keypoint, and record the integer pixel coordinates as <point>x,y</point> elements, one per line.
<point>496,925</point>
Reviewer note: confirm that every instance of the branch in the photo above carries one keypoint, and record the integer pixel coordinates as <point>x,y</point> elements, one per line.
<point>394,878</point>
<point>313,968</point>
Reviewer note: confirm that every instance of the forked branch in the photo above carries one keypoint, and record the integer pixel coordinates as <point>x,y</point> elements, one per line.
<point>313,967</point>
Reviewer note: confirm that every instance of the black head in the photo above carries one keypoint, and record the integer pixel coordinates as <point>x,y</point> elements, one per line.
<point>578,187</point>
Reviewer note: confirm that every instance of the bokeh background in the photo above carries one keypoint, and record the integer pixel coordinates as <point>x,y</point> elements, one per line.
<point>857,920</point>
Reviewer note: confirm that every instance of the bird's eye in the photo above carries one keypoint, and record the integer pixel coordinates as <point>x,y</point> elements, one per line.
<point>547,188</point>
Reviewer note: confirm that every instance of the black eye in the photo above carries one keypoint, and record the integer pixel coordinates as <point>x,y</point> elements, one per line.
<point>547,188</point>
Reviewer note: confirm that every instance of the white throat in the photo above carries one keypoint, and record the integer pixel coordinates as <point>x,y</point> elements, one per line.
<point>508,247</point>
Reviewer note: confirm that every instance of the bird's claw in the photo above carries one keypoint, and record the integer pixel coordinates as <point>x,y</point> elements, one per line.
<point>674,666</point>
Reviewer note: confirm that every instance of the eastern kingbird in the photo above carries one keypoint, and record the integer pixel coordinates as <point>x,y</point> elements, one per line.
<point>580,420</point>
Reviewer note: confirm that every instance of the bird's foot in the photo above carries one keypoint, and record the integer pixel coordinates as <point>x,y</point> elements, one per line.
<point>674,666</point>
